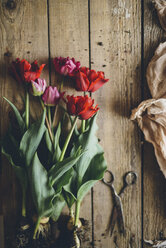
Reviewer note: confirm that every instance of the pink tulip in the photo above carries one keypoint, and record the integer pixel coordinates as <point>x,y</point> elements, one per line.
<point>66,66</point>
<point>38,87</point>
<point>51,96</point>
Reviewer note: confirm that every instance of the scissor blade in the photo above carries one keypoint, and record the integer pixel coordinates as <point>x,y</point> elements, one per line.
<point>117,214</point>
<point>120,215</point>
<point>113,219</point>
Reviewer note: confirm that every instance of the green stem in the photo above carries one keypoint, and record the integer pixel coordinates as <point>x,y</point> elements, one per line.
<point>24,202</point>
<point>68,140</point>
<point>27,109</point>
<point>61,86</point>
<point>47,123</point>
<point>77,212</point>
<point>71,212</point>
<point>49,116</point>
<point>36,228</point>
<point>83,126</point>
<point>54,118</point>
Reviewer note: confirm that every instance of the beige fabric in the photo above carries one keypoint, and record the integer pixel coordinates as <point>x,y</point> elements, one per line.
<point>161,11</point>
<point>156,72</point>
<point>151,118</point>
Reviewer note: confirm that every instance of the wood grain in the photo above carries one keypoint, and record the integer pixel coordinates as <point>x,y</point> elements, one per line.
<point>116,49</point>
<point>154,213</point>
<point>38,29</point>
<point>69,36</point>
<point>23,34</point>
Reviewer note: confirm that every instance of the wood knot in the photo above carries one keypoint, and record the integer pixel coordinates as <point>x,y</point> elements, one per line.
<point>8,54</point>
<point>11,4</point>
<point>100,43</point>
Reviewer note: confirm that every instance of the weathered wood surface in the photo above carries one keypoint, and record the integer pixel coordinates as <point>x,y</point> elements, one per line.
<point>69,36</point>
<point>23,26</point>
<point>119,57</point>
<point>40,29</point>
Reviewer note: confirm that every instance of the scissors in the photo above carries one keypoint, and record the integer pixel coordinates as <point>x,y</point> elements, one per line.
<point>129,178</point>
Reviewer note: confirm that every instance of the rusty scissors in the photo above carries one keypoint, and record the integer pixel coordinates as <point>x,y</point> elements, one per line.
<point>129,178</point>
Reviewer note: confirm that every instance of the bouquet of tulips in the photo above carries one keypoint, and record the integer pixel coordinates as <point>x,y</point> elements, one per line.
<point>55,166</point>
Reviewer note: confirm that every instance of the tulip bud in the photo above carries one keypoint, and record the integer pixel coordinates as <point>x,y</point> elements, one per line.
<point>38,87</point>
<point>51,96</point>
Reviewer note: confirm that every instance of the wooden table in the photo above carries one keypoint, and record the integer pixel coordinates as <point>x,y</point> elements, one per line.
<point>118,37</point>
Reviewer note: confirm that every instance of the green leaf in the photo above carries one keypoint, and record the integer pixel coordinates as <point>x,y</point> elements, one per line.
<point>60,168</point>
<point>62,181</point>
<point>70,190</point>
<point>19,171</point>
<point>58,205</point>
<point>43,194</point>
<point>31,139</point>
<point>57,150</point>
<point>18,116</point>
<point>89,143</point>
<point>89,168</point>
<point>10,147</point>
<point>48,141</point>
<point>94,173</point>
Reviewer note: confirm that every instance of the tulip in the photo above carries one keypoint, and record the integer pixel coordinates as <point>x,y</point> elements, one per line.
<point>23,71</point>
<point>38,87</point>
<point>89,80</point>
<point>66,66</point>
<point>81,106</point>
<point>52,96</point>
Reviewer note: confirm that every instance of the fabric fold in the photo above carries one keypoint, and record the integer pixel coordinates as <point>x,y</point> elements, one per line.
<point>156,73</point>
<point>151,118</point>
<point>160,5</point>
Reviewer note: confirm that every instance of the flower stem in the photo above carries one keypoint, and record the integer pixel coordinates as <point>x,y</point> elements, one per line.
<point>36,228</point>
<point>54,118</point>
<point>23,202</point>
<point>77,212</point>
<point>47,123</point>
<point>61,86</point>
<point>71,212</point>
<point>27,109</point>
<point>68,140</point>
<point>49,116</point>
<point>83,126</point>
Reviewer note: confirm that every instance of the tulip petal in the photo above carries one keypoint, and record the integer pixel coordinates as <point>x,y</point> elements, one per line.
<point>95,85</point>
<point>51,96</point>
<point>23,71</point>
<point>89,113</point>
<point>93,75</point>
<point>82,82</point>
<point>81,106</point>
<point>66,66</point>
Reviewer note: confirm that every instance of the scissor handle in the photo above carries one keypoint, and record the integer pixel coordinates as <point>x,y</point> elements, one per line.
<point>130,178</point>
<point>109,181</point>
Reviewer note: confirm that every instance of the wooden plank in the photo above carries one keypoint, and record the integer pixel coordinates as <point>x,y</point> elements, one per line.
<point>24,34</point>
<point>116,49</point>
<point>69,37</point>
<point>1,232</point>
<point>154,182</point>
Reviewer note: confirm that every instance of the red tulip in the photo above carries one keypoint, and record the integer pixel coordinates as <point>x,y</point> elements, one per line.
<point>23,71</point>
<point>52,96</point>
<point>66,66</point>
<point>89,80</point>
<point>81,106</point>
